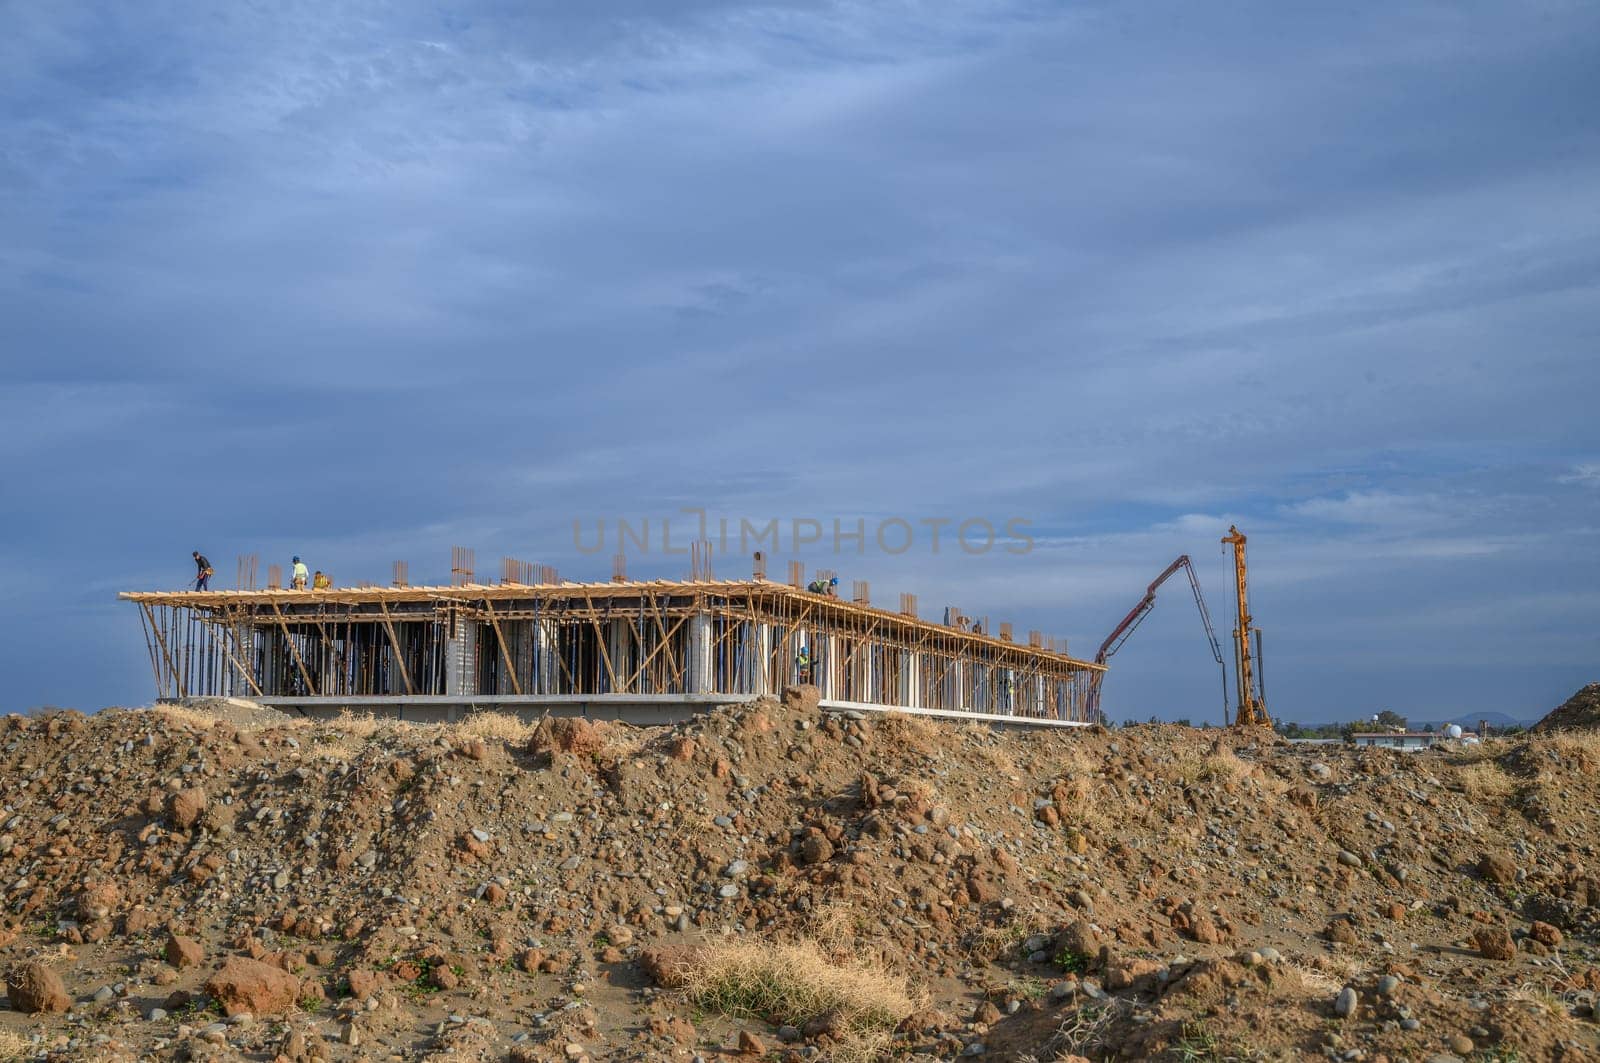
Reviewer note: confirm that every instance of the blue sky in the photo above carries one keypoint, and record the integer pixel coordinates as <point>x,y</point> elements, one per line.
<point>363,281</point>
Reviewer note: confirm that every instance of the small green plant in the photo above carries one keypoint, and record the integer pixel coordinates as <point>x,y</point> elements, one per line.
<point>312,1005</point>
<point>1030,988</point>
<point>1070,962</point>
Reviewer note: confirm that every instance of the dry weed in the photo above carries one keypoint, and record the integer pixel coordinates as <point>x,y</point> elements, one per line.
<point>1081,1032</point>
<point>793,983</point>
<point>986,750</point>
<point>1580,749</point>
<point>359,725</point>
<point>203,721</point>
<point>1484,782</point>
<point>495,726</point>
<point>913,734</point>
<point>1340,967</point>
<point>1314,981</point>
<point>989,944</point>
<point>14,1046</point>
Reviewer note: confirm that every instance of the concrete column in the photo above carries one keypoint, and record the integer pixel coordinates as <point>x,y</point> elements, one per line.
<point>460,660</point>
<point>911,679</point>
<point>698,670</point>
<point>825,677</point>
<point>761,650</point>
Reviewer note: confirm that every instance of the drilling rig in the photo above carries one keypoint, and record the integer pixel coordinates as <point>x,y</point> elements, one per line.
<point>1252,710</point>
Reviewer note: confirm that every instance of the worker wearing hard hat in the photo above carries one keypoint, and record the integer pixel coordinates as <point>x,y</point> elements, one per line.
<point>301,574</point>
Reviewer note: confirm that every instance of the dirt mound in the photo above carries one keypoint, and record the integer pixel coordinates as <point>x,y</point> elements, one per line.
<point>494,890</point>
<point>1581,712</point>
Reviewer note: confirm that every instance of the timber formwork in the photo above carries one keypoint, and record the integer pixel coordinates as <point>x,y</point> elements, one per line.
<point>659,641</point>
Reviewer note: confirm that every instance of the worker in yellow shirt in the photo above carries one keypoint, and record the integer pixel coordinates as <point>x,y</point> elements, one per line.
<point>321,581</point>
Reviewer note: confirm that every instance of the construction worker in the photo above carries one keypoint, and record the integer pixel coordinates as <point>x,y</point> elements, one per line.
<point>202,572</point>
<point>300,575</point>
<point>321,581</point>
<point>802,664</point>
<point>818,586</point>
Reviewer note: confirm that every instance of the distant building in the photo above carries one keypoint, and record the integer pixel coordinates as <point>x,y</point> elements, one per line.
<point>1406,740</point>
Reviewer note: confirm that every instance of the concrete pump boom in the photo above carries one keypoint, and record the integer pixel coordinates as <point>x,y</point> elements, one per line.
<point>1136,616</point>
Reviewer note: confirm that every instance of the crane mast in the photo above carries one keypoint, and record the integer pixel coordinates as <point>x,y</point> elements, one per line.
<point>1252,708</point>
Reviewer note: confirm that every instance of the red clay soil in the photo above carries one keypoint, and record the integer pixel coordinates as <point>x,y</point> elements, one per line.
<point>354,890</point>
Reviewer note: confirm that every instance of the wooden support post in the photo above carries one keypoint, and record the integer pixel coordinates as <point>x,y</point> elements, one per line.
<point>227,633</point>
<point>166,653</point>
<point>394,640</point>
<point>294,650</point>
<point>505,652</point>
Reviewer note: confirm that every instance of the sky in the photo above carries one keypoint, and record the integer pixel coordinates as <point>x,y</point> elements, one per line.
<point>363,281</point>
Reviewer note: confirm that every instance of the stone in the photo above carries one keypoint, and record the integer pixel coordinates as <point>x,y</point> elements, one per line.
<point>183,951</point>
<point>1545,934</point>
<point>750,1044</point>
<point>1387,985</point>
<point>1127,973</point>
<point>34,987</point>
<point>1344,1005</point>
<point>1461,1044</point>
<point>1349,859</point>
<point>187,807</point>
<point>1497,868</point>
<point>1342,932</point>
<point>1494,943</point>
<point>366,984</point>
<point>1080,939</point>
<point>986,1013</point>
<point>249,985</point>
<point>815,848</point>
<point>669,965</point>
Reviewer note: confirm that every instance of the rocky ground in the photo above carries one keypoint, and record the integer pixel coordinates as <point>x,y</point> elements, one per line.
<point>770,882</point>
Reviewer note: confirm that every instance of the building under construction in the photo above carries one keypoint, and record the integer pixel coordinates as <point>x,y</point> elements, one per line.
<point>641,651</point>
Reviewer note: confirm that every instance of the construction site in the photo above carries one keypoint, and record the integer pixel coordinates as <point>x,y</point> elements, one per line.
<point>640,651</point>
<point>545,821</point>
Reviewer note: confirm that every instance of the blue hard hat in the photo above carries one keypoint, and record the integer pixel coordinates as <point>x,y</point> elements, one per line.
<point>297,559</point>
<point>802,649</point>
<point>833,581</point>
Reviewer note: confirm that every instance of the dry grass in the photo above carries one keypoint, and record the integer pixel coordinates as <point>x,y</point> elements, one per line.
<point>495,726</point>
<point>14,1046</point>
<point>1575,748</point>
<point>989,944</point>
<point>1484,782</point>
<point>792,983</point>
<point>1082,1031</point>
<point>1221,769</point>
<point>360,725</point>
<point>1315,982</point>
<point>980,740</point>
<point>203,721</point>
<point>913,734</point>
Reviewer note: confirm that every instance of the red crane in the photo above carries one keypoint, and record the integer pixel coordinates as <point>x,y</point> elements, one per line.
<point>1136,616</point>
